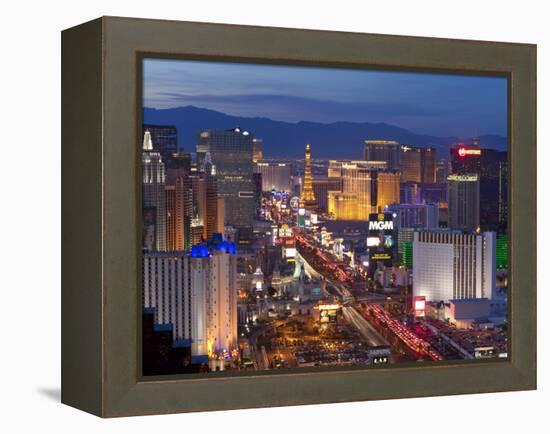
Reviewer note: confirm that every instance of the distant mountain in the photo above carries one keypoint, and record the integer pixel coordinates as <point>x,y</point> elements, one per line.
<point>336,140</point>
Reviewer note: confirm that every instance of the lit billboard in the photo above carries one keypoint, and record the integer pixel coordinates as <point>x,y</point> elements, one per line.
<point>419,306</point>
<point>328,313</point>
<point>381,239</point>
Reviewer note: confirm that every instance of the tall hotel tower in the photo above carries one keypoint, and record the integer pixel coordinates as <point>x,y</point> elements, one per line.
<point>418,164</point>
<point>231,154</point>
<point>463,197</point>
<point>195,295</point>
<point>307,190</point>
<point>154,198</point>
<point>384,150</point>
<point>450,265</point>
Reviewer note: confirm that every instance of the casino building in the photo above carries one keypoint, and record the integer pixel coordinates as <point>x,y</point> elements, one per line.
<point>449,265</point>
<point>195,295</point>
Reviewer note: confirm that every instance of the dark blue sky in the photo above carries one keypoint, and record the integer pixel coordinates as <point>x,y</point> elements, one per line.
<point>437,104</point>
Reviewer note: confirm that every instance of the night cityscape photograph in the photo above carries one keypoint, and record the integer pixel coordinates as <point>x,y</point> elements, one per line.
<point>307,217</point>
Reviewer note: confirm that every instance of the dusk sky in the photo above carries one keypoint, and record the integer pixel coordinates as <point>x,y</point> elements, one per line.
<point>437,104</point>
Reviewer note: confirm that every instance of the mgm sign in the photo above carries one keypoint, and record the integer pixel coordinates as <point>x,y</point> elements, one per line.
<point>381,239</point>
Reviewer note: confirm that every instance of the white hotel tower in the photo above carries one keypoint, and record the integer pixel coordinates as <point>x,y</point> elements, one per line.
<point>196,294</point>
<point>453,265</point>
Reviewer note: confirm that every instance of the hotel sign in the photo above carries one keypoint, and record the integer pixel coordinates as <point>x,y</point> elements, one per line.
<point>381,226</point>
<point>463,152</point>
<point>380,238</point>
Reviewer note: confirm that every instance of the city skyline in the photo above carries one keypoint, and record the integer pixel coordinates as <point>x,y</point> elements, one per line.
<point>254,262</point>
<point>425,103</point>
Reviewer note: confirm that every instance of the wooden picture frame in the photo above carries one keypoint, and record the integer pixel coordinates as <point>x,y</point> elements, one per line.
<point>101,223</point>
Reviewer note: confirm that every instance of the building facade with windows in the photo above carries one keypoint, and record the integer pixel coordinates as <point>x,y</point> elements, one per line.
<point>231,153</point>
<point>196,294</point>
<point>451,265</point>
<point>153,196</point>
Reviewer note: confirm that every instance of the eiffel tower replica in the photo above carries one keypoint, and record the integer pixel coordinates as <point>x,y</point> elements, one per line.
<point>307,196</point>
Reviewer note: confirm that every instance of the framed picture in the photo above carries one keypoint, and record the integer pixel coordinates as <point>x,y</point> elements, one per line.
<point>263,217</point>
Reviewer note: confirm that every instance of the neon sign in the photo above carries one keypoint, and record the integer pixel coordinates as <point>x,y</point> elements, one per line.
<point>462,152</point>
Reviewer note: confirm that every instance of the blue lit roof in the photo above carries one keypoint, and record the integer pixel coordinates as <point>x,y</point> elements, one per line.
<point>199,251</point>
<point>149,310</point>
<point>216,243</point>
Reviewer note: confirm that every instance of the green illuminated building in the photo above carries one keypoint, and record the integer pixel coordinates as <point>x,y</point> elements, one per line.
<point>502,251</point>
<point>407,255</point>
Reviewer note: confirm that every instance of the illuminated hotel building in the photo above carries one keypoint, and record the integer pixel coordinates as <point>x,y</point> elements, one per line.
<point>342,206</point>
<point>196,295</point>
<point>212,212</point>
<point>214,292</point>
<point>372,188</point>
<point>418,164</point>
<point>321,188</point>
<point>357,180</point>
<point>491,167</point>
<point>466,159</point>
<point>450,265</point>
<point>198,182</point>
<point>231,153</point>
<point>463,198</point>
<point>387,191</point>
<point>307,194</point>
<point>165,138</point>
<point>275,176</point>
<point>153,193</point>
<point>383,150</point>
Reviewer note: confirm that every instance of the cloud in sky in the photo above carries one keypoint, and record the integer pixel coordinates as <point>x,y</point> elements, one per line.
<point>439,104</point>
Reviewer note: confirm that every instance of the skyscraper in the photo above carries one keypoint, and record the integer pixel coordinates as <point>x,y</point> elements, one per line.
<point>453,265</point>
<point>180,160</point>
<point>153,196</point>
<point>387,191</point>
<point>171,221</point>
<point>231,153</point>
<point>308,196</point>
<point>418,164</point>
<point>365,185</point>
<point>275,176</point>
<point>488,164</point>
<point>166,289</point>
<point>257,150</point>
<point>213,270</point>
<point>201,201</point>
<point>384,150</point>
<point>165,138</point>
<point>321,188</point>
<point>463,197</point>
<point>357,180</point>
<point>211,199</point>
<point>196,295</point>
